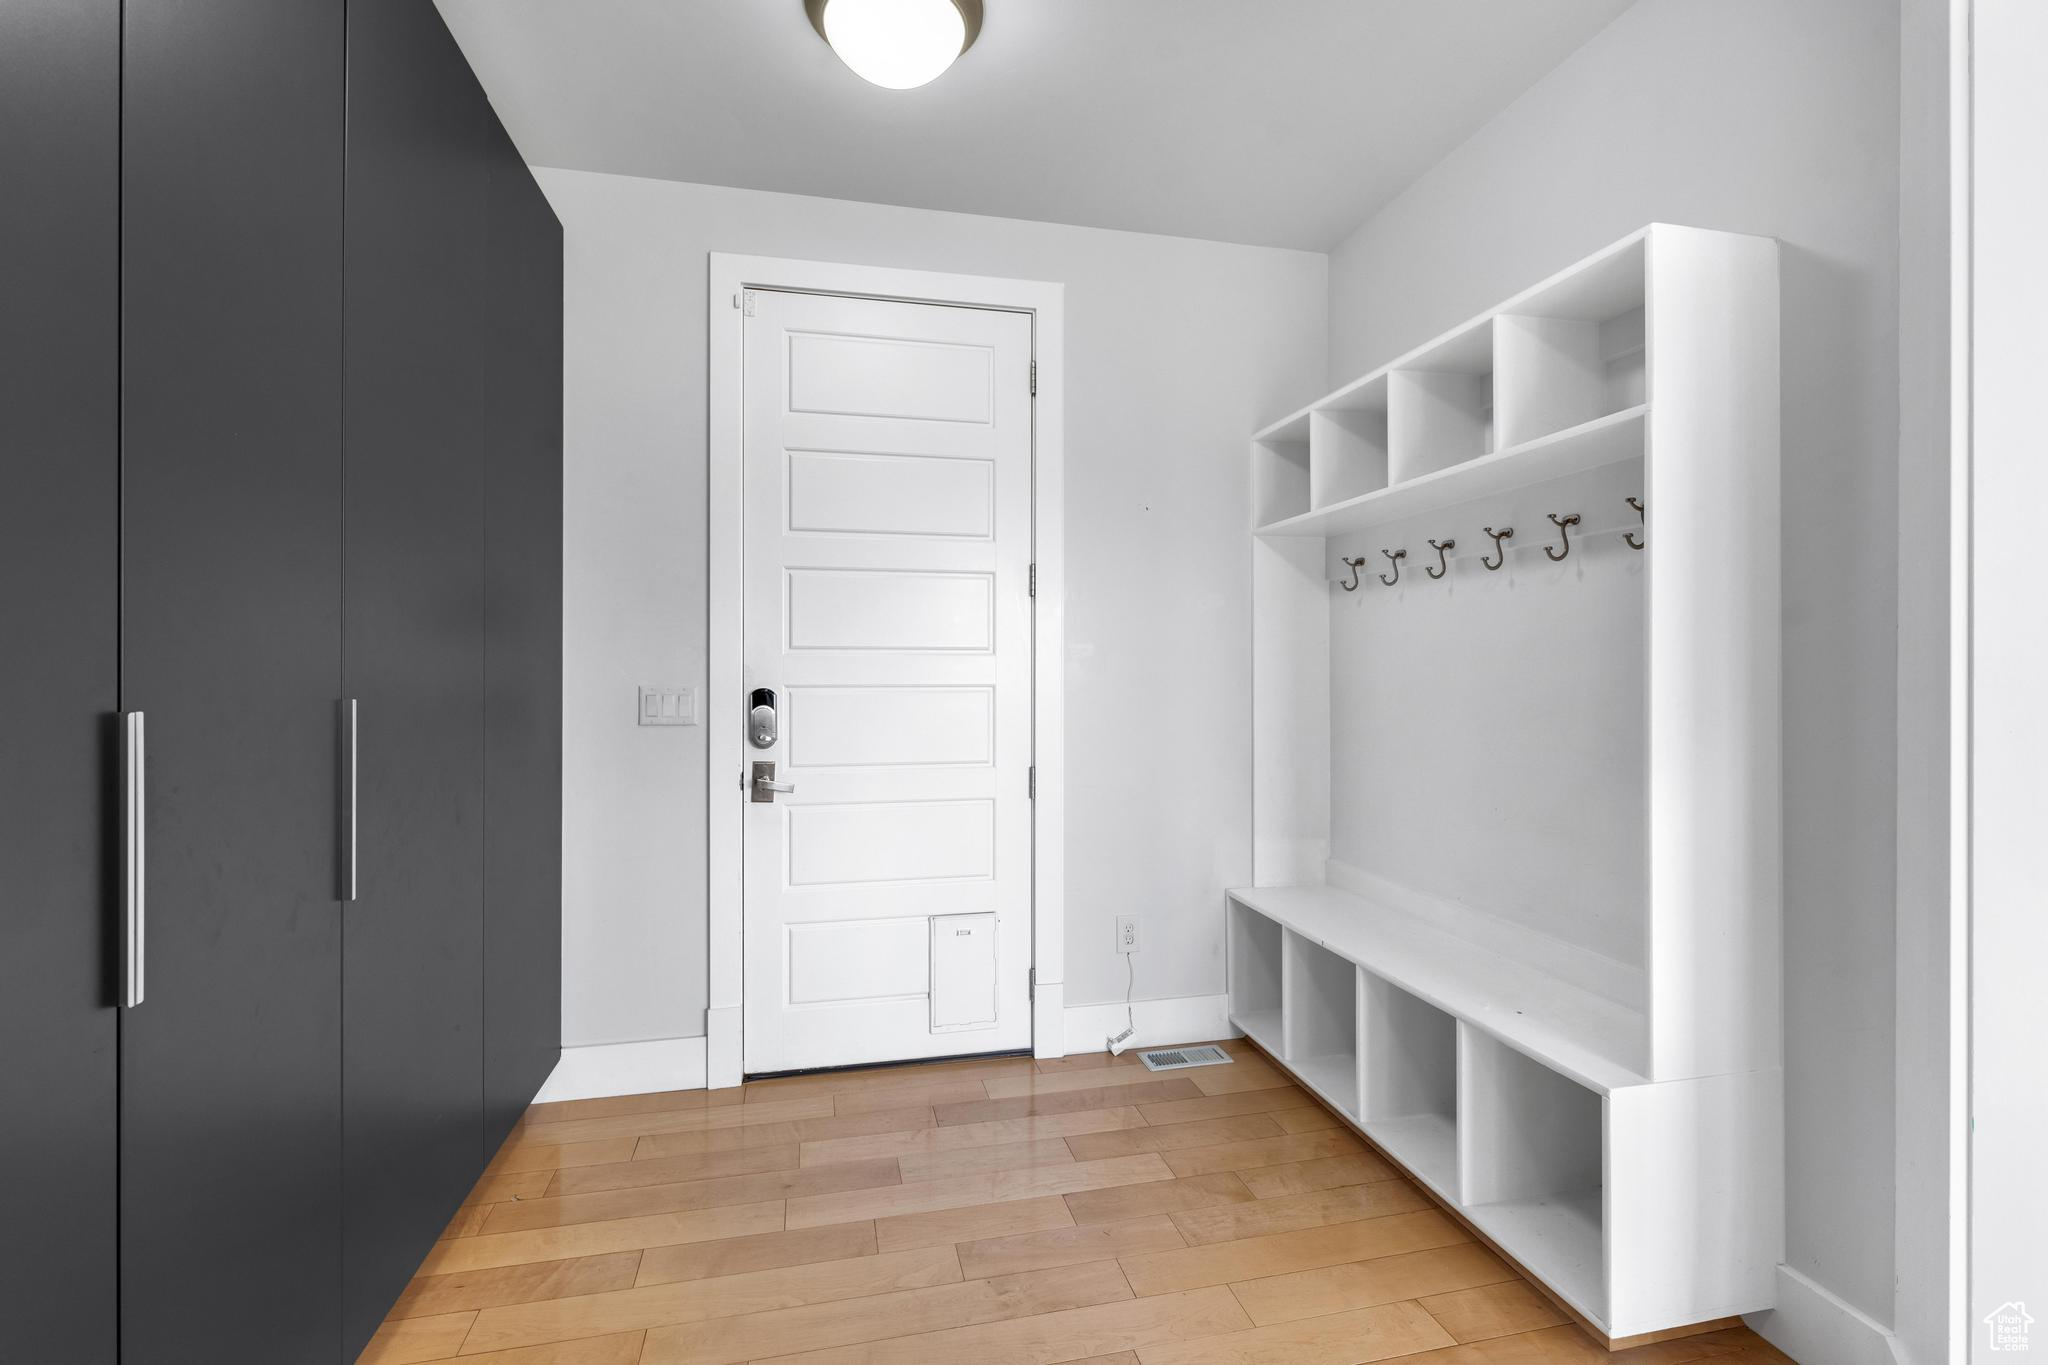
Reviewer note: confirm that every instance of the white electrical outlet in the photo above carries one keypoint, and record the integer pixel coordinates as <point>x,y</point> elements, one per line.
<point>1127,933</point>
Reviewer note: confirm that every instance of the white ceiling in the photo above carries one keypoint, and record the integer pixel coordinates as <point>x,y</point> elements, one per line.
<point>1276,122</point>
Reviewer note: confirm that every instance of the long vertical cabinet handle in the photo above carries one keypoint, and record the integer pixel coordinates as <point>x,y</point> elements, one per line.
<point>348,799</point>
<point>134,858</point>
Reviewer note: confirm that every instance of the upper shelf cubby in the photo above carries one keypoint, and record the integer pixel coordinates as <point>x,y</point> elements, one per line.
<point>1280,470</point>
<point>1348,445</point>
<point>1440,405</point>
<point>1553,382</point>
<point>1573,349</point>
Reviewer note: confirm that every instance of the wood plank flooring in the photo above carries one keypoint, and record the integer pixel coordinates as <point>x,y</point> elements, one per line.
<point>1004,1212</point>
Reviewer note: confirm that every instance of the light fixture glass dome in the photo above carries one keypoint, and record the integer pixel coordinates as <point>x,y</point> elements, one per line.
<point>897,44</point>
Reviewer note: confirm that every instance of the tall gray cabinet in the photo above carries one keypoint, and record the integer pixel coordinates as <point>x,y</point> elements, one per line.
<point>279,475</point>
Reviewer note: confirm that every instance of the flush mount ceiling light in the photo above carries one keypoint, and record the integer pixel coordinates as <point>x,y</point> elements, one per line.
<point>897,44</point>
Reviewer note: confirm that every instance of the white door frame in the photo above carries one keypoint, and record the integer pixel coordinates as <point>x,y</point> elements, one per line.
<point>731,276</point>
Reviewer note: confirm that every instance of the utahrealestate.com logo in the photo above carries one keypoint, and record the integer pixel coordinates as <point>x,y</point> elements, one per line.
<point>2007,1326</point>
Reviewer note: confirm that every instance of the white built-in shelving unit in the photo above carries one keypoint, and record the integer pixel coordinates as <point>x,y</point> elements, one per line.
<point>1516,819</point>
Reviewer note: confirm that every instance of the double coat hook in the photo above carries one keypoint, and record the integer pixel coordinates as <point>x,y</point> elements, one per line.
<point>1354,565</point>
<point>1564,525</point>
<point>1630,536</point>
<point>1442,565</point>
<point>1394,557</point>
<point>1500,554</point>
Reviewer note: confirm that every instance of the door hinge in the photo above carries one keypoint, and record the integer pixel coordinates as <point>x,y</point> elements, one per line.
<point>746,297</point>
<point>1031,985</point>
<point>1031,782</point>
<point>1034,580</point>
<point>1034,379</point>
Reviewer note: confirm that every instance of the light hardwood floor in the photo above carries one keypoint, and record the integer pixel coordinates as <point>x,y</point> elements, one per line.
<point>1005,1212</point>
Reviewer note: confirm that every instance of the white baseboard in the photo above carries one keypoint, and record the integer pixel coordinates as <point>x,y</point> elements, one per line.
<point>723,1065</point>
<point>1815,1327</point>
<point>604,1069</point>
<point>588,1073</point>
<point>1049,1020</point>
<point>1187,1019</point>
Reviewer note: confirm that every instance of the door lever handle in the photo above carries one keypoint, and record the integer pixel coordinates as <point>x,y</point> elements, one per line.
<point>349,825</point>
<point>764,785</point>
<point>134,858</point>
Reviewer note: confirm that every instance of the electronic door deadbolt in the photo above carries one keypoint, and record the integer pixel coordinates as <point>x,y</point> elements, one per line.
<point>761,718</point>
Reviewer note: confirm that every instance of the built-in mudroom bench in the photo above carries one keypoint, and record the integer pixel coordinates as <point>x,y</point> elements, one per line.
<point>1516,774</point>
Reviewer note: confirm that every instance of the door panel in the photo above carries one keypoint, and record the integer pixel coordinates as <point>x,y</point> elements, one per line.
<point>849,960</point>
<point>891,609</point>
<point>841,374</point>
<point>523,644</point>
<point>414,640</point>
<point>231,456</point>
<point>886,727</point>
<point>888,544</point>
<point>892,841</point>
<point>891,495</point>
<point>60,597</point>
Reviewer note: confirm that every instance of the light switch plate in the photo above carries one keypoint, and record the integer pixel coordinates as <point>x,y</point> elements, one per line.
<point>668,706</point>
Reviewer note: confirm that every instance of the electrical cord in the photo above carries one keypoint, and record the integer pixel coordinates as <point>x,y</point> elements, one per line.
<point>1130,989</point>
<point>1116,1044</point>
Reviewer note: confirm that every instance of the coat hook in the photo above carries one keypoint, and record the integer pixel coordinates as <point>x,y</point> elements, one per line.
<point>1500,556</point>
<point>1630,536</point>
<point>1355,565</point>
<point>1562,523</point>
<point>1394,557</point>
<point>1442,565</point>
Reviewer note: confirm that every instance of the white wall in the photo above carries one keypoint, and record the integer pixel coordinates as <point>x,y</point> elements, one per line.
<point>2005,486</point>
<point>1777,117</point>
<point>1929,1115</point>
<point>1461,771</point>
<point>1175,350</point>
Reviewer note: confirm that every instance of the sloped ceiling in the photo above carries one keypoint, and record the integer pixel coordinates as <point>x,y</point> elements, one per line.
<point>1276,122</point>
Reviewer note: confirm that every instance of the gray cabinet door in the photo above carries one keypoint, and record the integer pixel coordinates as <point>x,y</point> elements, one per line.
<point>59,598</point>
<point>416,446</point>
<point>523,644</point>
<point>231,645</point>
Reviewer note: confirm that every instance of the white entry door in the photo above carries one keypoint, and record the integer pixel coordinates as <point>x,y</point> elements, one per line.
<point>888,621</point>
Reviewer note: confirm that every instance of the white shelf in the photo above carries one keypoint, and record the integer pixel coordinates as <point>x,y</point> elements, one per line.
<point>1558,1240</point>
<point>1319,1009</point>
<point>1609,282</point>
<point>1280,473</point>
<point>1590,445</point>
<point>1427,1144</point>
<point>1334,1077</point>
<point>1595,1041</point>
<point>1255,947</point>
<point>1262,1027</point>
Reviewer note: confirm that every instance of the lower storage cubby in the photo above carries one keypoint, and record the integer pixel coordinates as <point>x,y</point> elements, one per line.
<point>1648,1206</point>
<point>1255,977</point>
<point>1532,1149</point>
<point>1321,994</point>
<point>1409,1052</point>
